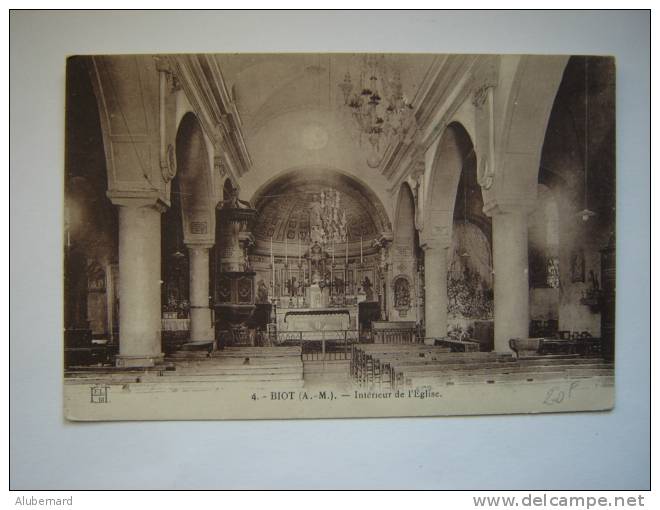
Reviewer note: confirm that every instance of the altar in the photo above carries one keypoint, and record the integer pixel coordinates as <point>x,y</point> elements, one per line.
<point>317,319</point>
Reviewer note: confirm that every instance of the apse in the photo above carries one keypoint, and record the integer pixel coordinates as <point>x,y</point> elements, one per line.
<point>284,207</point>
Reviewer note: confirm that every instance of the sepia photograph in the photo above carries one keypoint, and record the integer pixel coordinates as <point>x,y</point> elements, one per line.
<point>338,250</point>
<point>314,235</point>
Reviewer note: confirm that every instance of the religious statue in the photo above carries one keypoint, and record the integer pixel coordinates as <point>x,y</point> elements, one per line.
<point>232,201</point>
<point>262,292</point>
<point>577,266</point>
<point>292,285</point>
<point>402,294</point>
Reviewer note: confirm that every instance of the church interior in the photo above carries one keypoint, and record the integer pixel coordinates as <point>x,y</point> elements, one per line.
<point>362,219</point>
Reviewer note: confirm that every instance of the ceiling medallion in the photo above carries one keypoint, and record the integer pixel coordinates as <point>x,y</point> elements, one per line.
<point>314,137</point>
<point>379,107</point>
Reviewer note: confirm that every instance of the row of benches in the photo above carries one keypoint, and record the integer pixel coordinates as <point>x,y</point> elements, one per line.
<point>398,366</point>
<point>253,367</point>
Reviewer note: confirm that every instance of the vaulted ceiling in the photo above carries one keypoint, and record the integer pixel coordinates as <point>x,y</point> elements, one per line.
<point>266,86</point>
<point>293,114</point>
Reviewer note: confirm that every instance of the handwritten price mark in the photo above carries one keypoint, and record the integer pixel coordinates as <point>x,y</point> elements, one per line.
<point>557,395</point>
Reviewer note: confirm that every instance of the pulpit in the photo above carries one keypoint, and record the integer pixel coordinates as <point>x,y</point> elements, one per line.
<point>234,298</point>
<point>234,281</point>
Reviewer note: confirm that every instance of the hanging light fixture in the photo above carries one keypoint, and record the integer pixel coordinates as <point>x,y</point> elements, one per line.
<point>328,223</point>
<point>380,109</point>
<point>585,213</point>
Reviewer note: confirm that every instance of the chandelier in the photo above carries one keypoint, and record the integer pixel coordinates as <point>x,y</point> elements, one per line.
<point>379,107</point>
<point>327,219</point>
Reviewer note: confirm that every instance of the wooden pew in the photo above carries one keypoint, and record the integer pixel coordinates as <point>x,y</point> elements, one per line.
<point>525,347</point>
<point>371,360</point>
<point>405,365</point>
<point>366,366</point>
<point>457,345</point>
<point>519,377</point>
<point>518,371</point>
<point>443,364</point>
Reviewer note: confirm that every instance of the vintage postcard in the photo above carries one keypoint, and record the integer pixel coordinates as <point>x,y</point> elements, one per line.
<point>338,235</point>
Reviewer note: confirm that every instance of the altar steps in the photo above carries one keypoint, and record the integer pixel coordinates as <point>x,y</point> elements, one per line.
<point>257,352</point>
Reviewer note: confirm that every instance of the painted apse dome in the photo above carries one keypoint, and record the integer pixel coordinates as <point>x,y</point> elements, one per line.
<point>286,209</point>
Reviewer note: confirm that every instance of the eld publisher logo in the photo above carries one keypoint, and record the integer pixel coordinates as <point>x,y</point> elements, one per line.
<point>99,394</point>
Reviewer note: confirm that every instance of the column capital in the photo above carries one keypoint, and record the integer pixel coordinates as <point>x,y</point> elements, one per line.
<point>199,245</point>
<point>383,241</point>
<point>509,205</point>
<point>141,198</point>
<point>434,244</point>
<point>417,169</point>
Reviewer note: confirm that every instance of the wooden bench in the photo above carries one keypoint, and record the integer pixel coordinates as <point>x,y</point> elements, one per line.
<point>368,360</point>
<point>399,366</point>
<point>377,365</point>
<point>371,362</point>
<point>518,371</point>
<point>440,365</point>
<point>525,347</point>
<point>457,345</point>
<point>522,375</point>
<point>91,355</point>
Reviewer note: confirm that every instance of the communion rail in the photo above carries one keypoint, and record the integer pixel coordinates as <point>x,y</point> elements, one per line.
<point>320,345</point>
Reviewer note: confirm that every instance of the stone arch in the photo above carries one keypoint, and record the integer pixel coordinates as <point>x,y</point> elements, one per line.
<point>454,146</point>
<point>323,176</point>
<point>127,94</point>
<point>90,219</point>
<point>404,211</point>
<point>194,181</point>
<point>526,107</point>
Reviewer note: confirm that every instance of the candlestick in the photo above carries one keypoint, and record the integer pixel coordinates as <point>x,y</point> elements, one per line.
<point>286,248</point>
<point>332,278</point>
<point>361,250</point>
<point>333,250</point>
<point>346,259</point>
<point>299,243</point>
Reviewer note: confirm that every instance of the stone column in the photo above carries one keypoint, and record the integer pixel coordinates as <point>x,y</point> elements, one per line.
<point>435,283</point>
<point>139,280</point>
<point>511,280</point>
<point>201,327</point>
